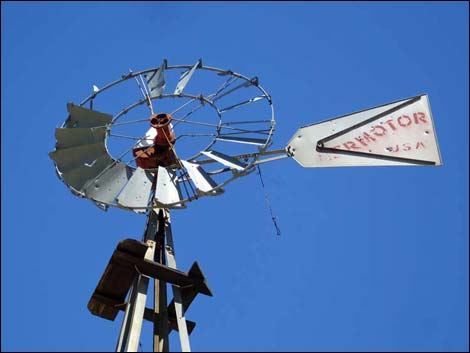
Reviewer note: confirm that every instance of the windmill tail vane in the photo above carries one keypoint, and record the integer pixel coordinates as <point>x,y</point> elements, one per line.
<point>172,145</point>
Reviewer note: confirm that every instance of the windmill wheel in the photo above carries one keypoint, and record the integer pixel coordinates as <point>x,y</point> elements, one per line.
<point>159,148</point>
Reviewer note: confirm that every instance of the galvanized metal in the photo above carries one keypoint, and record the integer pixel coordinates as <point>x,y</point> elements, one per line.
<point>156,81</point>
<point>135,195</point>
<point>178,301</point>
<point>132,324</point>
<point>106,187</point>
<point>85,118</point>
<point>167,191</point>
<point>225,160</point>
<point>398,133</point>
<point>67,159</point>
<point>186,77</point>
<point>204,183</point>
<point>72,137</point>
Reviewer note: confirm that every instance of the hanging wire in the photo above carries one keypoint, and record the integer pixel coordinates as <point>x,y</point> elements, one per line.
<point>266,197</point>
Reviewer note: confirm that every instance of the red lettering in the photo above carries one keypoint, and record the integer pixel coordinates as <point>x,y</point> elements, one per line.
<point>350,145</point>
<point>406,147</point>
<point>361,141</point>
<point>418,144</point>
<point>404,120</point>
<point>378,127</point>
<point>367,137</point>
<point>391,124</point>
<point>390,149</point>
<point>420,116</point>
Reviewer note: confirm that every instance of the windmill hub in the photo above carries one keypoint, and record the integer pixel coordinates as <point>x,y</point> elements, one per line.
<point>161,152</point>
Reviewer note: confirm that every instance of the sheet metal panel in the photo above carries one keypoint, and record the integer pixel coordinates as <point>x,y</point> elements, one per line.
<point>184,79</point>
<point>81,117</point>
<point>156,81</point>
<point>403,136</point>
<point>109,184</point>
<point>78,177</point>
<point>200,178</point>
<point>167,188</point>
<point>70,158</point>
<point>67,137</point>
<point>137,190</point>
<point>225,160</point>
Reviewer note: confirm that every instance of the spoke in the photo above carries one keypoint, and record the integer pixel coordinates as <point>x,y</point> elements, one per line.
<point>132,122</point>
<point>181,107</point>
<point>241,85</point>
<point>130,137</point>
<point>211,125</point>
<point>242,103</point>
<point>183,119</point>
<point>246,122</point>
<point>223,86</point>
<point>194,135</point>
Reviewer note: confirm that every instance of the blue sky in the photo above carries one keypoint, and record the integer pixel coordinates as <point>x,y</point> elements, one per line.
<point>369,259</point>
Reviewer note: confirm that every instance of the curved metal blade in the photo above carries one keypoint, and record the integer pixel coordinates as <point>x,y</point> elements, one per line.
<point>225,160</point>
<point>79,177</point>
<point>109,184</point>
<point>137,190</point>
<point>85,118</point>
<point>185,77</point>
<point>167,189</point>
<point>72,137</point>
<point>67,159</point>
<point>199,177</point>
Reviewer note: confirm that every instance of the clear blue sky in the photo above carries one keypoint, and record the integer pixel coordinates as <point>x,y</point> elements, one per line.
<point>370,259</point>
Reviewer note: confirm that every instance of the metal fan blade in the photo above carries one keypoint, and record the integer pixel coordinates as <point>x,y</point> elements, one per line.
<point>247,140</point>
<point>85,118</point>
<point>156,80</point>
<point>67,159</point>
<point>184,79</point>
<point>137,191</point>
<point>79,177</point>
<point>225,160</point>
<point>200,178</point>
<point>109,184</point>
<point>167,190</point>
<point>72,137</point>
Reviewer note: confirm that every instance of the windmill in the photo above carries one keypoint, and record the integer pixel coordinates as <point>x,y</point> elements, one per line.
<point>163,151</point>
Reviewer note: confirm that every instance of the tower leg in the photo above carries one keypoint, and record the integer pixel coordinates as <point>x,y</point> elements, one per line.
<point>171,263</point>
<point>160,324</point>
<point>131,328</point>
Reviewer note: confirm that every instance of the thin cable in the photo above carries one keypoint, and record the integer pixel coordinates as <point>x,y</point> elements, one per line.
<point>274,218</point>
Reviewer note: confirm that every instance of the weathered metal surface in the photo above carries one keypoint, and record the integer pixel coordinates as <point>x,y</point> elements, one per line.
<point>125,263</point>
<point>80,176</point>
<point>129,336</point>
<point>105,307</point>
<point>156,81</point>
<point>69,158</point>
<point>85,118</point>
<point>107,186</point>
<point>225,160</point>
<point>201,179</point>
<point>67,137</point>
<point>399,133</point>
<point>137,191</point>
<point>184,79</point>
<point>167,189</point>
<point>178,300</point>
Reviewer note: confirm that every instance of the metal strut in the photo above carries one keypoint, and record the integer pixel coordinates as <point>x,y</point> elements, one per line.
<point>158,230</point>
